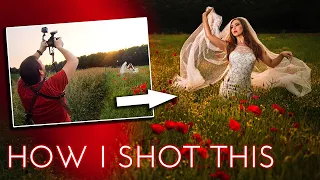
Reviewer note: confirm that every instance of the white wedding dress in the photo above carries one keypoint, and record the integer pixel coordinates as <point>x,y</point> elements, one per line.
<point>238,79</point>
<point>126,69</point>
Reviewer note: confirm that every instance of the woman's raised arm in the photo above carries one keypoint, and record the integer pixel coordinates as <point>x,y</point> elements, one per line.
<point>213,39</point>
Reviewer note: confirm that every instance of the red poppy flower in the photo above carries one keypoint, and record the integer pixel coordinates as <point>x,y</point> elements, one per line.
<point>157,128</point>
<point>190,124</point>
<point>182,127</point>
<point>174,101</point>
<point>241,107</point>
<point>124,78</point>
<point>143,86</point>
<point>225,151</point>
<point>234,125</point>
<point>203,152</point>
<point>278,108</point>
<point>222,175</point>
<point>170,124</point>
<point>290,114</point>
<point>273,129</point>
<point>208,142</point>
<point>185,151</point>
<point>255,97</point>
<point>254,109</point>
<point>170,81</point>
<point>242,101</point>
<point>296,125</point>
<point>197,137</point>
<point>174,54</point>
<point>157,52</point>
<point>224,154</point>
<point>136,91</point>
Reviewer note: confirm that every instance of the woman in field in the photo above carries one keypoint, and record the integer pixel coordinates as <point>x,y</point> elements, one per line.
<point>237,54</point>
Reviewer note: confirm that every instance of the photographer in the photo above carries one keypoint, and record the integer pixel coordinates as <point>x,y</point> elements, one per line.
<point>49,105</point>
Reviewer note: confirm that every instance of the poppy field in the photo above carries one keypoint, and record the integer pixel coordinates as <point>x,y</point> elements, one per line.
<point>275,117</point>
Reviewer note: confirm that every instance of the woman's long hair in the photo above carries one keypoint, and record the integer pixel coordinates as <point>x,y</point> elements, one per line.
<point>250,42</point>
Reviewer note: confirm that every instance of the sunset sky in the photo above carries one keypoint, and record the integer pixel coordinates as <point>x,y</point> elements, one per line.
<point>80,38</point>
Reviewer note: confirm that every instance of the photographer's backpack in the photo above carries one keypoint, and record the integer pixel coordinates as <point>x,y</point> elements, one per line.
<point>28,114</point>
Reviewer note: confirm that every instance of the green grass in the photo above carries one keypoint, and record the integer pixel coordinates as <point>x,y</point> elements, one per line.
<point>296,151</point>
<point>86,93</point>
<point>122,85</point>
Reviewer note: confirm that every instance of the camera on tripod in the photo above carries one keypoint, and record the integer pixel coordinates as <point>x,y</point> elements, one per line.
<point>50,41</point>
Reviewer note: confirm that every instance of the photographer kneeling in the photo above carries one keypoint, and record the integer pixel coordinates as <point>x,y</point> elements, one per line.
<point>43,99</point>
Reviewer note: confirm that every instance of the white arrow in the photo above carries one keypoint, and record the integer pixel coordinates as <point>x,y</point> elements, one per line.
<point>153,98</point>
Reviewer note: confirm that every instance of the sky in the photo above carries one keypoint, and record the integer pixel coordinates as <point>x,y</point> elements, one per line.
<point>80,38</point>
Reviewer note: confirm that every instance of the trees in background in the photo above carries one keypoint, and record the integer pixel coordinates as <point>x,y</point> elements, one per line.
<point>137,55</point>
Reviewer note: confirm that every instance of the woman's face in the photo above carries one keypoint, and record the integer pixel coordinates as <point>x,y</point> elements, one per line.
<point>236,28</point>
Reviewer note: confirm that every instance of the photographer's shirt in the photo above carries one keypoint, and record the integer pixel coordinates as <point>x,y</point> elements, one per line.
<point>46,110</point>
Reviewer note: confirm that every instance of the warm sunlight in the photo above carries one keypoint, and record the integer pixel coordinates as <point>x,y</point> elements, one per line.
<point>81,38</point>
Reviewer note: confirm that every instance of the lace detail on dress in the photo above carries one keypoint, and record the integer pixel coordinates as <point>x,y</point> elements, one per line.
<point>238,79</point>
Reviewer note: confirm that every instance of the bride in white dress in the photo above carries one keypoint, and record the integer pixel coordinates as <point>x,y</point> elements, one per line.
<point>123,67</point>
<point>128,69</point>
<point>236,53</point>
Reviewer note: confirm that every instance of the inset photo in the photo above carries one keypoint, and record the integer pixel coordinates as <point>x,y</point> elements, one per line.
<point>73,72</point>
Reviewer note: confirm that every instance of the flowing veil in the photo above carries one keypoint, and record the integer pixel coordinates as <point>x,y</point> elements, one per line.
<point>202,63</point>
<point>123,67</point>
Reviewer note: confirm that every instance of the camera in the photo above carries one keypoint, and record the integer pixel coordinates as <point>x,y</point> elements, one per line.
<point>50,41</point>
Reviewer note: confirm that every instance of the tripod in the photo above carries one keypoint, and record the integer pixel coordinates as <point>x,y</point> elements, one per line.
<point>51,52</point>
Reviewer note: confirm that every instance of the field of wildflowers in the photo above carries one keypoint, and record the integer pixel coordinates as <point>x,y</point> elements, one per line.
<point>277,118</point>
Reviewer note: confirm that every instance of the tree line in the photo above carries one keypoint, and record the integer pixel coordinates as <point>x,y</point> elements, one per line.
<point>137,55</point>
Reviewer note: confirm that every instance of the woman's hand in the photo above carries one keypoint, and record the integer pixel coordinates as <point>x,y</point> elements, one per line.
<point>286,54</point>
<point>208,10</point>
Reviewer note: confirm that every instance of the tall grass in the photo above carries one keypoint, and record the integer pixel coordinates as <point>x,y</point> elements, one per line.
<point>124,85</point>
<point>86,93</point>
